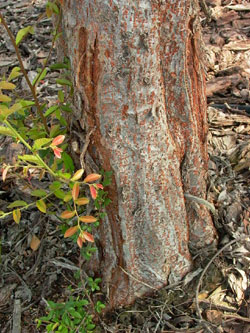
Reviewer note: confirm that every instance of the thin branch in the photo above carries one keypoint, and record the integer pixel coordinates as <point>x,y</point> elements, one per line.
<point>51,49</point>
<point>32,88</point>
<point>134,278</point>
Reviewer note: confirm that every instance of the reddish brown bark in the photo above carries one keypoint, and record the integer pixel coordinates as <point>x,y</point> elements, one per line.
<point>139,82</point>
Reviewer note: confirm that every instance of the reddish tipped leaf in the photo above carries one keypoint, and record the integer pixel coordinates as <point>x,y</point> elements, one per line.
<point>68,214</point>
<point>71,231</point>
<point>75,191</point>
<point>92,177</point>
<point>87,236</point>
<point>88,219</point>
<point>99,186</point>
<point>82,201</point>
<point>4,172</point>
<point>58,140</point>
<point>57,152</point>
<point>79,242</point>
<point>93,192</point>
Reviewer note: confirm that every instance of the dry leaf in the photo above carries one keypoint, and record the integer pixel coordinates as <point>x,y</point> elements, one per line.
<point>35,243</point>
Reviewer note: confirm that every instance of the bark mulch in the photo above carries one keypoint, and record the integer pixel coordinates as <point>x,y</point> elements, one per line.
<point>214,297</point>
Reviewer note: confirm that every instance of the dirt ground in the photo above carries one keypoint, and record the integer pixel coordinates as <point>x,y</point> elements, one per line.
<point>214,297</point>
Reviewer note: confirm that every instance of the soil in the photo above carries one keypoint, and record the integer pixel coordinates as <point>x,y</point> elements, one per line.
<point>214,297</point>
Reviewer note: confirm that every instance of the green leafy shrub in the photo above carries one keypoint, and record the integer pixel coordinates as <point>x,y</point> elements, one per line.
<point>42,130</point>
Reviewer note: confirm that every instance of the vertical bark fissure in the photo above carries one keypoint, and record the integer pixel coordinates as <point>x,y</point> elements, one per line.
<point>90,71</point>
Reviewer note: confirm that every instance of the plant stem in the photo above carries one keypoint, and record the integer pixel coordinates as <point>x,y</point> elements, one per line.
<point>27,206</point>
<point>50,51</point>
<point>30,148</point>
<point>32,88</point>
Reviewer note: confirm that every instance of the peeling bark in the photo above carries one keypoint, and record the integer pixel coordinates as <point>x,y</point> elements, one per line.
<point>139,82</point>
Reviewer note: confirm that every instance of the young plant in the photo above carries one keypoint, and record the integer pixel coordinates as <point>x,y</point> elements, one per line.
<point>42,131</point>
<point>71,316</point>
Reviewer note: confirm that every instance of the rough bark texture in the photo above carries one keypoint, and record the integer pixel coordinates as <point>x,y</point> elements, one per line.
<point>139,82</point>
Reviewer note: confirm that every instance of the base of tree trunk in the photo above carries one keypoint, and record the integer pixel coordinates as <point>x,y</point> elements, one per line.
<point>139,83</point>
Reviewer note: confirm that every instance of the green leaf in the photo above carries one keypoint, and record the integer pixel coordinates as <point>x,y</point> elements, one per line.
<point>17,203</point>
<point>39,193</point>
<point>51,7</point>
<point>59,194</point>
<point>66,108</point>
<point>67,197</point>
<point>41,205</point>
<point>54,131</point>
<point>40,76</point>
<point>26,103</point>
<point>39,143</point>
<point>59,65</point>
<point>39,323</point>
<point>61,96</point>
<point>30,158</point>
<point>36,133</point>
<point>52,305</point>
<point>65,319</point>
<point>23,32</point>
<point>68,162</point>
<point>14,73</point>
<point>6,131</point>
<point>63,121</point>
<point>7,85</point>
<point>49,327</point>
<point>75,314</point>
<point>56,36</point>
<point>55,8</point>
<point>55,326</point>
<point>64,175</point>
<point>83,302</point>
<point>64,82</point>
<point>51,110</point>
<point>56,185</point>
<point>90,327</point>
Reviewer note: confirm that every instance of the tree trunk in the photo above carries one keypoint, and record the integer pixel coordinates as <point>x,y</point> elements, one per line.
<point>140,85</point>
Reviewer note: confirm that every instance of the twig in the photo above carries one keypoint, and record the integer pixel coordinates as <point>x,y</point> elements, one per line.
<point>207,11</point>
<point>32,88</point>
<point>229,315</point>
<point>134,278</point>
<point>85,147</point>
<point>16,320</point>
<point>51,48</point>
<point>23,282</point>
<point>198,310</point>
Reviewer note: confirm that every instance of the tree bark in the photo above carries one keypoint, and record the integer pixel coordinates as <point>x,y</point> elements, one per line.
<point>139,82</point>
